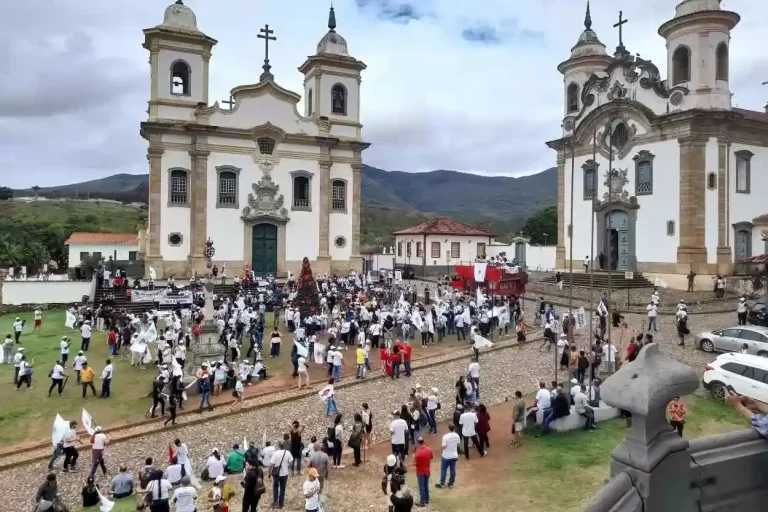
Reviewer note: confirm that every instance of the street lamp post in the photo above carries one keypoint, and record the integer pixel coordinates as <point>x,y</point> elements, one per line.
<point>545,238</point>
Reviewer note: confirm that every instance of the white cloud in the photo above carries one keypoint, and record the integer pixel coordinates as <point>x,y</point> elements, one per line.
<point>76,77</point>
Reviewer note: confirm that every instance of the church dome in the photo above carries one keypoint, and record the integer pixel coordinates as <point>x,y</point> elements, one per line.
<point>180,16</point>
<point>588,43</point>
<point>332,42</point>
<point>693,6</point>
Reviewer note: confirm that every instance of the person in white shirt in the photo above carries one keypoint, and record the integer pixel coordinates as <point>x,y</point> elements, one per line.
<point>433,404</point>
<point>652,315</point>
<point>70,452</point>
<point>159,491</point>
<point>106,379</point>
<point>741,311</point>
<point>281,462</point>
<point>266,454</point>
<point>398,429</point>
<point>303,372</point>
<point>78,364</point>
<point>173,472</point>
<point>18,326</point>
<point>38,320</point>
<point>185,496</point>
<point>474,374</point>
<point>311,491</point>
<point>450,445</point>
<point>25,372</point>
<point>214,465</point>
<point>64,350</point>
<point>338,361</point>
<point>85,331</point>
<point>57,378</point>
<point>609,357</point>
<point>468,420</point>
<point>543,397</point>
<point>98,445</point>
<point>582,407</point>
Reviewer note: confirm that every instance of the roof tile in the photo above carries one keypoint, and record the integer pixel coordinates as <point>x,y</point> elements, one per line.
<point>443,226</point>
<point>103,238</point>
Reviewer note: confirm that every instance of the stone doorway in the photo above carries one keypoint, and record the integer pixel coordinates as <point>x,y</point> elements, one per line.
<point>616,237</point>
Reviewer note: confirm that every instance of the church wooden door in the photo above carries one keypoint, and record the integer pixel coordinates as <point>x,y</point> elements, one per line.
<point>619,251</point>
<point>742,249</point>
<point>264,254</point>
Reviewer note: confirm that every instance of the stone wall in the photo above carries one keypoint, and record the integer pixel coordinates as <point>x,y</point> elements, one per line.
<point>655,470</point>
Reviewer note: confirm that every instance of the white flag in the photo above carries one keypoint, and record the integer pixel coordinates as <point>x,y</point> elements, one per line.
<point>240,303</point>
<point>60,427</point>
<point>660,282</point>
<point>481,342</point>
<point>106,505</point>
<point>139,347</point>
<point>581,318</point>
<point>70,321</point>
<point>87,422</point>
<point>301,350</point>
<point>319,353</point>
<point>152,273</point>
<point>480,268</point>
<point>416,320</point>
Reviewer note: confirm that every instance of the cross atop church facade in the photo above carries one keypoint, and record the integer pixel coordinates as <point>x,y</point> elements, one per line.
<point>266,34</point>
<point>230,102</point>
<point>620,26</point>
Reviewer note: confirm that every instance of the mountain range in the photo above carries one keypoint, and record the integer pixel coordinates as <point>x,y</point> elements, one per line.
<point>392,200</point>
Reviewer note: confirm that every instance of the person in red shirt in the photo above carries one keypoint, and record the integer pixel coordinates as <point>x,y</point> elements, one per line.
<point>483,426</point>
<point>407,350</point>
<point>112,341</point>
<point>422,458</point>
<point>386,358</point>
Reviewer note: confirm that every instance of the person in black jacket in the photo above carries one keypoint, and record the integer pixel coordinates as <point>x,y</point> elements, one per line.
<point>561,407</point>
<point>253,487</point>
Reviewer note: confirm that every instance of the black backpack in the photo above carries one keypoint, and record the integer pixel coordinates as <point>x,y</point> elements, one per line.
<point>331,434</point>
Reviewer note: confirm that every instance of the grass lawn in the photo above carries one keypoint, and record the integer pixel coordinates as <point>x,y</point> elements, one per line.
<point>559,471</point>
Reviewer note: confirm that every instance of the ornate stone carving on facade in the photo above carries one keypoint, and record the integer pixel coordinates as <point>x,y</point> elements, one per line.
<point>617,92</point>
<point>266,163</point>
<point>264,203</point>
<point>615,181</point>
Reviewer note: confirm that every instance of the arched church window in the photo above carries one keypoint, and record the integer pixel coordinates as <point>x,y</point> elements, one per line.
<point>743,171</point>
<point>302,198</point>
<point>227,192</point>
<point>620,136</point>
<point>178,192</point>
<point>573,98</point>
<point>339,100</point>
<point>339,196</point>
<point>180,78</point>
<point>266,145</point>
<point>590,168</point>
<point>681,65</point>
<point>721,55</point>
<point>643,173</point>
<point>309,103</point>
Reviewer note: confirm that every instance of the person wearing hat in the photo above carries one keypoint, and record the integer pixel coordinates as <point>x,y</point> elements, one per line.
<point>64,350</point>
<point>18,326</point>
<point>98,445</point>
<point>741,311</point>
<point>25,371</point>
<point>78,363</point>
<point>311,491</point>
<point>85,331</point>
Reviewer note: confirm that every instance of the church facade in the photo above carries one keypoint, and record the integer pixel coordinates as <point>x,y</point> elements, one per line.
<point>669,173</point>
<point>268,184</point>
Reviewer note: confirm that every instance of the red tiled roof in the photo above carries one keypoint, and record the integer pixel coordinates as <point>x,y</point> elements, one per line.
<point>442,226</point>
<point>757,260</point>
<point>752,115</point>
<point>761,219</point>
<point>103,239</point>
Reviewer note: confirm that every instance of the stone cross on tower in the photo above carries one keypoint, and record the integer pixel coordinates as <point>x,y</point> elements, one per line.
<point>620,50</point>
<point>266,34</point>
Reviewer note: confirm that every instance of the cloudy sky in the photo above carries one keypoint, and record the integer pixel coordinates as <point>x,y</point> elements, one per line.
<point>469,85</point>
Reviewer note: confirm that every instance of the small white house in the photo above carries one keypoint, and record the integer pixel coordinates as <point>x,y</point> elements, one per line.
<point>121,246</point>
<point>533,257</point>
<point>433,247</point>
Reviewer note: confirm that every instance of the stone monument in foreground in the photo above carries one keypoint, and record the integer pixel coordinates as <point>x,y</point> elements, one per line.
<point>206,347</point>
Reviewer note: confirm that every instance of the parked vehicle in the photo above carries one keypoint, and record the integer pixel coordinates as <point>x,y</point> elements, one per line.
<point>408,272</point>
<point>757,314</point>
<point>733,339</point>
<point>747,374</point>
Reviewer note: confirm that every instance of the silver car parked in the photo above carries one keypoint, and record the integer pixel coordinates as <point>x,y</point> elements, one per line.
<point>733,339</point>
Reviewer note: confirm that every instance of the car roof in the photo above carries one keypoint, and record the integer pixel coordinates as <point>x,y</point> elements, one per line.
<point>748,359</point>
<point>756,328</point>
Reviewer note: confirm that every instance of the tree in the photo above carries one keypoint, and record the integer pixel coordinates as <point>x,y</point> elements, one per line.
<point>6,193</point>
<point>307,297</point>
<point>543,221</point>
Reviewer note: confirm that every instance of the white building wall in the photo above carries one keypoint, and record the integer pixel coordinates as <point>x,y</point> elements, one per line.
<point>711,202</point>
<point>165,59</point>
<point>118,252</point>
<point>16,293</point>
<point>467,249</point>
<point>251,112</point>
<point>341,222</point>
<point>174,219</point>
<point>654,212</point>
<point>745,207</point>
<point>540,258</point>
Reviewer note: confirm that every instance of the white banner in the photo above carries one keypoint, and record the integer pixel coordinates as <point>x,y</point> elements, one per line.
<point>581,318</point>
<point>480,268</point>
<point>87,421</point>
<point>398,275</point>
<point>70,321</point>
<point>162,297</point>
<point>326,393</point>
<point>481,342</point>
<point>60,427</point>
<point>106,505</point>
<point>301,350</point>
<point>139,347</point>
<point>319,353</point>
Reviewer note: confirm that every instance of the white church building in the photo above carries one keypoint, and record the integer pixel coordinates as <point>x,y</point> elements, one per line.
<point>268,184</point>
<point>688,172</point>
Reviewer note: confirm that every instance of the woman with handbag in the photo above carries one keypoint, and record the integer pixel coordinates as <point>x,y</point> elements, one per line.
<point>158,493</point>
<point>253,488</point>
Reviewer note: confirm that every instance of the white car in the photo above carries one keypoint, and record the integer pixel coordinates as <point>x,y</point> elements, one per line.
<point>733,339</point>
<point>746,373</point>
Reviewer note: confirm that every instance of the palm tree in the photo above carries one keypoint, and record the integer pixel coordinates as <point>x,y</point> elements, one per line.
<point>36,189</point>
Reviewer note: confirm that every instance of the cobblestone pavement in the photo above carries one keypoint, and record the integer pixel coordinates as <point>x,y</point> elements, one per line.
<point>502,372</point>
